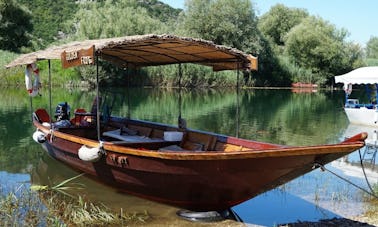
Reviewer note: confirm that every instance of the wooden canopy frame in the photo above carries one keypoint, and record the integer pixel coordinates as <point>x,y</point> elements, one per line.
<point>151,50</point>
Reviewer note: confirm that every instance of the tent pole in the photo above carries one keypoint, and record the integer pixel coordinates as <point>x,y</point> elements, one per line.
<point>50,95</point>
<point>31,107</point>
<point>128,91</point>
<point>97,102</point>
<point>237,101</point>
<point>180,122</point>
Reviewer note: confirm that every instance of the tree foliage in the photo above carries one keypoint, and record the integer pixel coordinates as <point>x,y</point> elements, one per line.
<point>279,20</point>
<point>48,19</point>
<point>232,23</point>
<point>317,45</point>
<point>291,45</point>
<point>227,22</point>
<point>15,26</point>
<point>372,48</point>
<point>113,18</point>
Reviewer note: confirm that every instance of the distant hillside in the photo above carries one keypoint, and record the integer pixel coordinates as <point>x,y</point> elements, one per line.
<point>160,10</point>
<point>49,17</point>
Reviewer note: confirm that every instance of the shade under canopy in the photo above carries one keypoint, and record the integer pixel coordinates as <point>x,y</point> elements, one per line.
<point>364,75</point>
<point>151,50</point>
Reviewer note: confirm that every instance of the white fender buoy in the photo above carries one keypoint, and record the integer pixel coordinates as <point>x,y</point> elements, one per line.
<point>90,154</point>
<point>39,137</point>
<point>46,124</point>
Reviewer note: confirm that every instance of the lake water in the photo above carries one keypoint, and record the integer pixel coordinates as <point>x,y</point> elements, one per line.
<point>276,116</point>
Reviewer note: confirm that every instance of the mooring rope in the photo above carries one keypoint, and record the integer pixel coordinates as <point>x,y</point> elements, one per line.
<point>323,168</point>
<point>363,170</point>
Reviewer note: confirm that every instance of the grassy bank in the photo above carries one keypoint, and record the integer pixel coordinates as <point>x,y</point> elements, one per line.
<point>54,206</point>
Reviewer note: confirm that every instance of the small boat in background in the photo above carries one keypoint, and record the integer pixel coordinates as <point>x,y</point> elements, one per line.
<point>304,85</point>
<point>300,87</point>
<point>176,165</point>
<point>357,112</point>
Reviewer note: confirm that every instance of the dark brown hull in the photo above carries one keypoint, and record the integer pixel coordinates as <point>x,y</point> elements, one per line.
<point>198,181</point>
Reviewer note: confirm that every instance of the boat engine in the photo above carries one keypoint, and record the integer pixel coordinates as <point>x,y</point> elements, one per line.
<point>62,111</point>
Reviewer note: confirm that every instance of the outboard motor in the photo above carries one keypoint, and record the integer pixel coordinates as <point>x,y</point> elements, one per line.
<point>62,111</point>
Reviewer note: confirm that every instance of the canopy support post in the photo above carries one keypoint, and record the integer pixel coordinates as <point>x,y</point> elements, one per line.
<point>97,102</point>
<point>368,92</point>
<point>181,122</point>
<point>50,95</point>
<point>237,100</point>
<point>128,91</point>
<point>31,107</point>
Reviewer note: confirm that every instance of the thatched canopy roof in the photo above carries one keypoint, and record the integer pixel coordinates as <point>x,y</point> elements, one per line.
<point>151,50</point>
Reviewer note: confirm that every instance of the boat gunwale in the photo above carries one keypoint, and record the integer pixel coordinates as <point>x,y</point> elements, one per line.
<point>280,151</point>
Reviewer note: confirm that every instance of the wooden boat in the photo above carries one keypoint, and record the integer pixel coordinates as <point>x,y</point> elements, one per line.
<point>187,168</point>
<point>361,113</point>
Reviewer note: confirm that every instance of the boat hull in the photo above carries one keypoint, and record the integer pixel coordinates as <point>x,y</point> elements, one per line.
<point>362,116</point>
<point>195,181</point>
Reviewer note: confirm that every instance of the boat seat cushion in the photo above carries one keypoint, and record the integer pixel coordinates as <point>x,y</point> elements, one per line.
<point>189,147</point>
<point>192,146</point>
<point>198,141</point>
<point>171,148</point>
<point>41,115</point>
<point>141,130</point>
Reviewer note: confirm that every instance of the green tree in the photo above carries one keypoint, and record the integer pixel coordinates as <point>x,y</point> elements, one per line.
<point>317,45</point>
<point>372,48</point>
<point>48,19</point>
<point>232,23</point>
<point>228,22</point>
<point>15,26</point>
<point>114,18</point>
<point>278,21</point>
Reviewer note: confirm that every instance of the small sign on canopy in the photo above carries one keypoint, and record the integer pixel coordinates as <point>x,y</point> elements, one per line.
<point>78,57</point>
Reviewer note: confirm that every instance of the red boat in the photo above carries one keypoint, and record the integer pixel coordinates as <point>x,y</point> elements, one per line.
<point>195,170</point>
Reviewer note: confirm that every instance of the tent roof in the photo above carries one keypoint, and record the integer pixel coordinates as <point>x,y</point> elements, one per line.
<point>150,50</point>
<point>364,75</point>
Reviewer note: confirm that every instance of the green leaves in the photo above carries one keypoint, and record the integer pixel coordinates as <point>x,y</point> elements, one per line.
<point>15,26</point>
<point>372,48</point>
<point>114,18</point>
<point>280,20</point>
<point>317,45</point>
<point>310,49</point>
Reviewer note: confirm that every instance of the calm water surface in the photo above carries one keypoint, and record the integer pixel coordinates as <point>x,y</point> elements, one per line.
<point>276,116</point>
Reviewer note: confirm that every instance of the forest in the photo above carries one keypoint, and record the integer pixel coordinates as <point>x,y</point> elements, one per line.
<point>280,38</point>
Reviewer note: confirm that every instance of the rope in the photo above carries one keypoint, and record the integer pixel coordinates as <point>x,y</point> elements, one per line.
<point>363,170</point>
<point>323,168</point>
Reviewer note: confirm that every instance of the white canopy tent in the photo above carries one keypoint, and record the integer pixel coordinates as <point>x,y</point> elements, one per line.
<point>364,75</point>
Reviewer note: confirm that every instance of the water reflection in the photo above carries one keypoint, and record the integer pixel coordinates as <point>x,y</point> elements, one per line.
<point>278,207</point>
<point>51,172</point>
<point>277,116</point>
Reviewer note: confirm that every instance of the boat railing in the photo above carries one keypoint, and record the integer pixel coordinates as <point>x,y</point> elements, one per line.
<point>354,103</point>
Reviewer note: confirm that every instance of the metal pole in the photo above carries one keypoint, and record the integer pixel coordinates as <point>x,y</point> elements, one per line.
<point>180,122</point>
<point>97,102</point>
<point>237,101</point>
<point>50,95</point>
<point>128,91</point>
<point>31,107</point>
<point>180,101</point>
